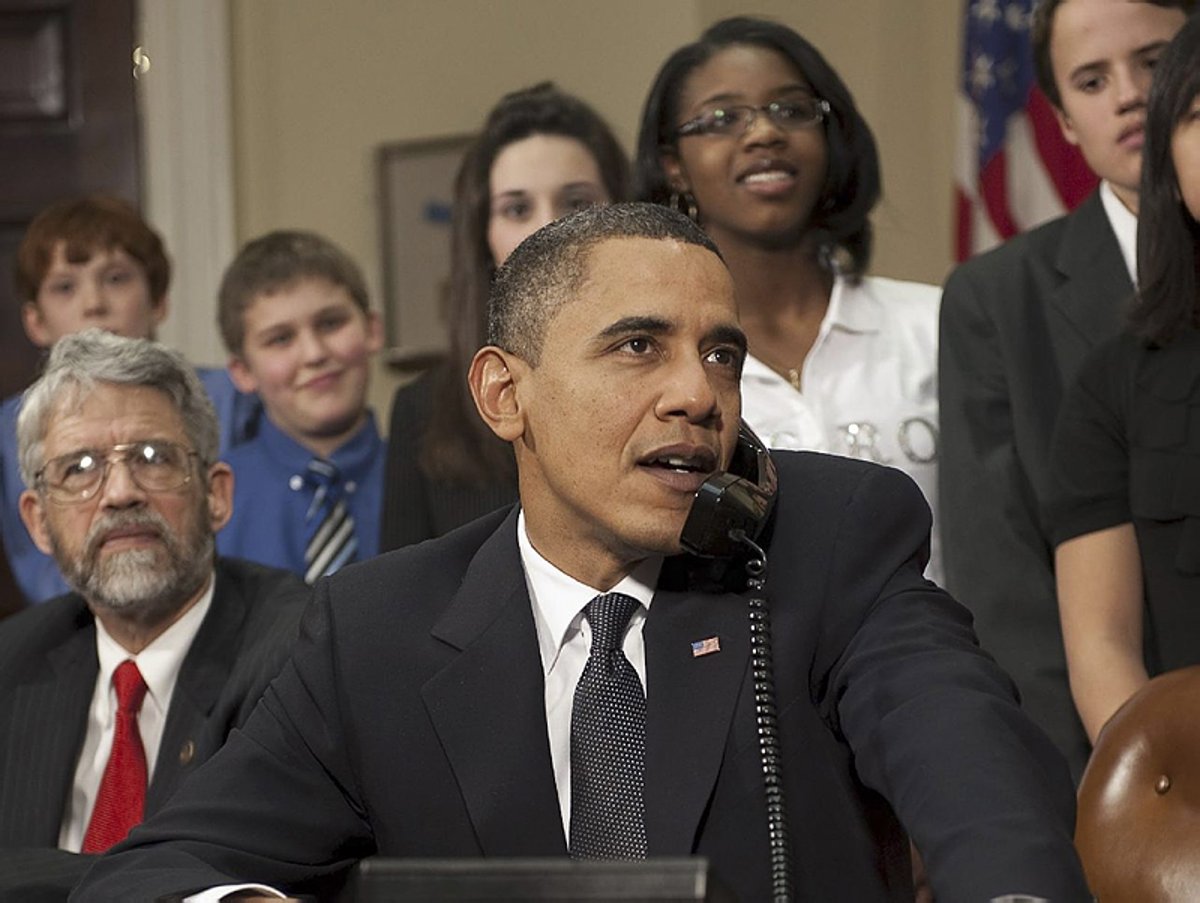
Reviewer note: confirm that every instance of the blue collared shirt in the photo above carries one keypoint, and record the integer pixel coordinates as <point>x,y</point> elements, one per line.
<point>271,496</point>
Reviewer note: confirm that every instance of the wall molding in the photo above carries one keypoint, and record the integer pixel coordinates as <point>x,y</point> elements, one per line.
<point>185,106</point>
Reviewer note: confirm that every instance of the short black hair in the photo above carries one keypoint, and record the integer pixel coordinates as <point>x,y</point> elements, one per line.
<point>1168,299</point>
<point>841,217</point>
<point>547,268</point>
<point>1041,30</point>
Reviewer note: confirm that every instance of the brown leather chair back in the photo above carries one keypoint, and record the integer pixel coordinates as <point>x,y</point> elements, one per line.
<point>1138,826</point>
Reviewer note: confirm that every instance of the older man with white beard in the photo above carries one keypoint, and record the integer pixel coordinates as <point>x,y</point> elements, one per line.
<point>112,694</point>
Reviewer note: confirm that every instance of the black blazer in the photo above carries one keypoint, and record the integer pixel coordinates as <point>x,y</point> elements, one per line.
<point>411,722</point>
<point>48,671</point>
<point>1016,323</point>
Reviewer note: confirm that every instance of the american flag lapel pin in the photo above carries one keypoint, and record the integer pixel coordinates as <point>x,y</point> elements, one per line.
<point>706,647</point>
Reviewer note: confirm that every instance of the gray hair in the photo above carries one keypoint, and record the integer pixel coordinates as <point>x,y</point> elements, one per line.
<point>79,361</point>
<point>548,267</point>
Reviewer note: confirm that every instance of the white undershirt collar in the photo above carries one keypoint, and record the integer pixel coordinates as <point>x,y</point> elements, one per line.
<point>1124,226</point>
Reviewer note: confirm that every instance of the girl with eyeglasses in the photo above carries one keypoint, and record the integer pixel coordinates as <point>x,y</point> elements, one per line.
<point>542,154</point>
<point>751,133</point>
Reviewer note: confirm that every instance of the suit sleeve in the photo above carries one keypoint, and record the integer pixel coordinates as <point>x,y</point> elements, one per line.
<point>43,875</point>
<point>997,561</point>
<point>278,805</point>
<point>934,722</point>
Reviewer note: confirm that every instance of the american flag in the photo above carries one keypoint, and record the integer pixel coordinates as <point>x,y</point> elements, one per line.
<point>706,647</point>
<point>1015,170</point>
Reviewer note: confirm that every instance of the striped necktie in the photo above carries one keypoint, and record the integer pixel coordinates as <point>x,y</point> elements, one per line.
<point>331,541</point>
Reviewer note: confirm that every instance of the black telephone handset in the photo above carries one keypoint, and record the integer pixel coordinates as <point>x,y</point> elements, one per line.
<point>728,514</point>
<point>734,504</point>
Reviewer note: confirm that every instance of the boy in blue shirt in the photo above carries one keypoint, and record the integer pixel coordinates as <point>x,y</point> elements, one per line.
<point>294,315</point>
<point>86,262</point>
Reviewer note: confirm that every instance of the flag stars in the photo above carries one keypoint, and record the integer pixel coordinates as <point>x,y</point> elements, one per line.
<point>987,11</point>
<point>982,78</point>
<point>1016,16</point>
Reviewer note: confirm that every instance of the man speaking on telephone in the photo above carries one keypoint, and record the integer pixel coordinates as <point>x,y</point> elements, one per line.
<point>559,680</point>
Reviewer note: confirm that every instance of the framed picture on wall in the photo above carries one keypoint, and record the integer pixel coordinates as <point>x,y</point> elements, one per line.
<point>416,190</point>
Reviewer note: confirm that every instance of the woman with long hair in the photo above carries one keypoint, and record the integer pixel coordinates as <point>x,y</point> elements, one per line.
<point>1124,511</point>
<point>541,155</point>
<point>753,134</point>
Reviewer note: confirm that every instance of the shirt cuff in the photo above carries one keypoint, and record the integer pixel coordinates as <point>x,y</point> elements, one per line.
<point>213,894</point>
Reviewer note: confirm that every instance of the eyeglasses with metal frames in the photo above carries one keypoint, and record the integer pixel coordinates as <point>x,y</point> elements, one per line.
<point>154,466</point>
<point>737,119</point>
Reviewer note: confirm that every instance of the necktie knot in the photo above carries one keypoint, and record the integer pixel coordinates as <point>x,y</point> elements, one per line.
<point>608,615</point>
<point>130,686</point>
<point>324,477</point>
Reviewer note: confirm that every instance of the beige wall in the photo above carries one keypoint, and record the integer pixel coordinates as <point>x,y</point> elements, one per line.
<point>318,85</point>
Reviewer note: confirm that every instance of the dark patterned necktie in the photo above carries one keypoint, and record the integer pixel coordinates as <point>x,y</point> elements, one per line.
<point>331,541</point>
<point>122,793</point>
<point>608,742</point>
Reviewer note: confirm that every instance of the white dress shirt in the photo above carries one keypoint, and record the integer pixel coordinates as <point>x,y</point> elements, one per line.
<point>1124,225</point>
<point>868,387</point>
<point>565,639</point>
<point>159,665</point>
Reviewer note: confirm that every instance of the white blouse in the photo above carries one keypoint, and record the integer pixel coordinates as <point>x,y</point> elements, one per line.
<point>868,388</point>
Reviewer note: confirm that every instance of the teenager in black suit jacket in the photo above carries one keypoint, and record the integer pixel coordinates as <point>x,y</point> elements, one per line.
<point>1017,322</point>
<point>420,714</point>
<point>135,539</point>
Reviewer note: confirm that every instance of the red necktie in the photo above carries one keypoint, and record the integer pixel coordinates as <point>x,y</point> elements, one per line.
<point>123,787</point>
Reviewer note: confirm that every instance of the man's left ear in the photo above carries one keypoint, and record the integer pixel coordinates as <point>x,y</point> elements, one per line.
<point>493,378</point>
<point>220,495</point>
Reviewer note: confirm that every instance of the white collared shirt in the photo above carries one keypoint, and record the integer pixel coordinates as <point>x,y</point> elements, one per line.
<point>868,386</point>
<point>159,664</point>
<point>1124,225</point>
<point>565,638</point>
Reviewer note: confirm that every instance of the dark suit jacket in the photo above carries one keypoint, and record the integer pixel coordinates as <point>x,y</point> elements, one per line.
<point>411,722</point>
<point>1016,323</point>
<point>48,671</point>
